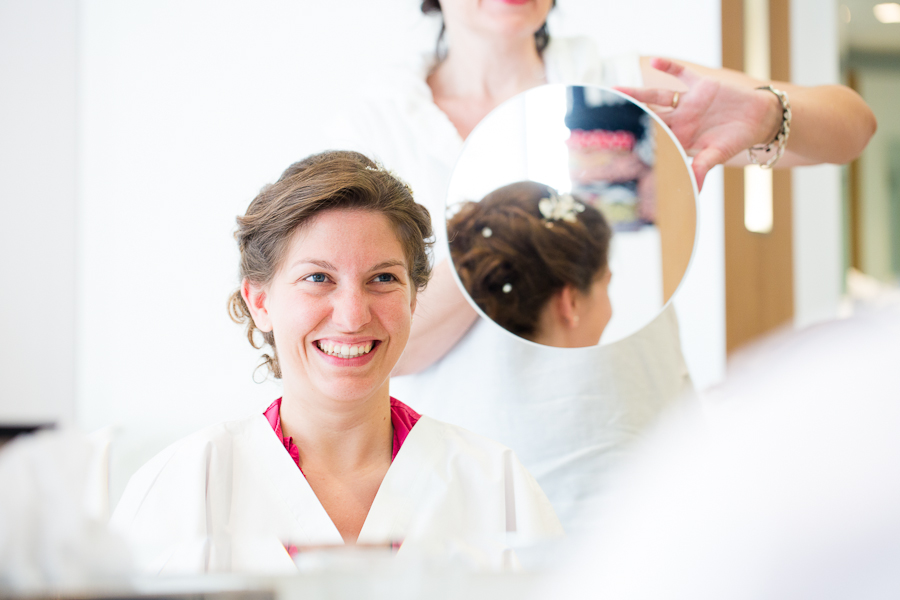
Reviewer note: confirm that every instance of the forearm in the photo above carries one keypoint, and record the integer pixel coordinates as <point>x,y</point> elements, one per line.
<point>830,124</point>
<point>442,317</point>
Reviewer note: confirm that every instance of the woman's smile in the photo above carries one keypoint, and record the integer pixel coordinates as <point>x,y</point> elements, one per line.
<point>346,354</point>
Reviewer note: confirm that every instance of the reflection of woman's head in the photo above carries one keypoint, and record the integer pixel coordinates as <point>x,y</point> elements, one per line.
<point>518,257</point>
<point>307,189</point>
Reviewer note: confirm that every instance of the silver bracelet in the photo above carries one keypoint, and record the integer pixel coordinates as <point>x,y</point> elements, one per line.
<point>778,144</point>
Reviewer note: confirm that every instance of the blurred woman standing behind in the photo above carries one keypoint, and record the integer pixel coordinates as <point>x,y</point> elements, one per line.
<point>568,413</point>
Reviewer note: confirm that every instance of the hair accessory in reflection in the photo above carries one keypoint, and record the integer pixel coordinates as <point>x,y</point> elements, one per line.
<point>507,288</point>
<point>487,232</point>
<point>562,207</point>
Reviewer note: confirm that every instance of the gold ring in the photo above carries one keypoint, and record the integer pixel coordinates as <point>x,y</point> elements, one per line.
<point>675,101</point>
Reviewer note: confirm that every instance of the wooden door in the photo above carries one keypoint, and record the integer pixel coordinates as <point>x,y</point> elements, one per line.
<point>759,273</point>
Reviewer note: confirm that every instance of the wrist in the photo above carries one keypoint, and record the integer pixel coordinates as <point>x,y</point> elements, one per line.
<point>770,124</point>
<point>773,150</point>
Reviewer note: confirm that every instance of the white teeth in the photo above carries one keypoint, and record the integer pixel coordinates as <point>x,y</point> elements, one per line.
<point>345,350</point>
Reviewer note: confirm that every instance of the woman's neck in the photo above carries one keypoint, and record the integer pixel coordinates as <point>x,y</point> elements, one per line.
<point>338,437</point>
<point>345,451</point>
<point>479,74</point>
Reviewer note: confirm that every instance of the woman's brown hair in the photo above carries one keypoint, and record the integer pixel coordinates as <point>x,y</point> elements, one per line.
<point>512,260</point>
<point>330,180</point>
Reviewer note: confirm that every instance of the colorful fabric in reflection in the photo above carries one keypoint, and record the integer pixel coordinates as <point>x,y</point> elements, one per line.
<point>600,139</point>
<point>611,157</point>
<point>403,418</point>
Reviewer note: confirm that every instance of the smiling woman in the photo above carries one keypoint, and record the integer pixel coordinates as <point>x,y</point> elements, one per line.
<point>279,245</point>
<point>332,257</point>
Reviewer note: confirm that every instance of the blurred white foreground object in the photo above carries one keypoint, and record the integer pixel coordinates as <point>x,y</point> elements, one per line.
<point>790,489</point>
<point>53,531</point>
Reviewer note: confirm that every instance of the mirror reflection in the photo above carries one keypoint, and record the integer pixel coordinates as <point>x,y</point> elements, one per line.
<point>535,262</point>
<point>582,227</point>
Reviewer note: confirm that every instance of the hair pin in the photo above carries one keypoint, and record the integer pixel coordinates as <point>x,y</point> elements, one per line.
<point>487,232</point>
<point>561,207</point>
<point>507,288</point>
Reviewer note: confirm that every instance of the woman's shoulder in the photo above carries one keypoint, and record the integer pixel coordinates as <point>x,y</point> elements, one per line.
<point>459,448</point>
<point>210,437</point>
<point>389,115</point>
<point>456,435</point>
<point>181,461</point>
<point>397,86</point>
<point>576,60</point>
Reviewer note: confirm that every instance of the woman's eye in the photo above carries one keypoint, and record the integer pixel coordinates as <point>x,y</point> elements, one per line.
<point>385,278</point>
<point>316,278</point>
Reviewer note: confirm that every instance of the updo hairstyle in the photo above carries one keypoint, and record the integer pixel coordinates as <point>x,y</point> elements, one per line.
<point>330,180</point>
<point>512,260</point>
<point>541,36</point>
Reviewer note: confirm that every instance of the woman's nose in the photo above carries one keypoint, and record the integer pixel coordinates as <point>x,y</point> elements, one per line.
<point>350,311</point>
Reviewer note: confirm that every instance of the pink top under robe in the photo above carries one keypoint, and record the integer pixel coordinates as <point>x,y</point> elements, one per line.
<point>403,418</point>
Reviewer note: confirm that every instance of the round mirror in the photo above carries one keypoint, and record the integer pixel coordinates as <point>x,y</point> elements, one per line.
<point>571,216</point>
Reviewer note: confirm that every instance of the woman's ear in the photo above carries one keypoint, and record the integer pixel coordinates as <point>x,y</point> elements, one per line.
<point>255,297</point>
<point>567,305</point>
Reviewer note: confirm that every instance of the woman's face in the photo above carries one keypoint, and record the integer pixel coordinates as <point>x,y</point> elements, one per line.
<point>508,18</point>
<point>340,306</point>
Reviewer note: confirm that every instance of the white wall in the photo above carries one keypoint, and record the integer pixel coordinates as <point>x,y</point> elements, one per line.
<point>38,49</point>
<point>187,109</point>
<point>818,237</point>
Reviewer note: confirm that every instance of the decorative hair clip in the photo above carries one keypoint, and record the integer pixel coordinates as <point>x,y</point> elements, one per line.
<point>379,168</point>
<point>507,288</point>
<point>487,232</point>
<point>560,208</point>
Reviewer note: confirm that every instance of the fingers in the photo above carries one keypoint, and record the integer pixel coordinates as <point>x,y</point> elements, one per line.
<point>699,176</point>
<point>654,96</point>
<point>705,160</point>
<point>674,69</point>
<point>667,66</point>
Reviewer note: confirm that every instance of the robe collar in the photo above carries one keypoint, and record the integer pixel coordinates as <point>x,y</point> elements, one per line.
<point>403,418</point>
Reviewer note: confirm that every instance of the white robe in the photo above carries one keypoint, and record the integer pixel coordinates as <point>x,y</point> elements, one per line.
<point>229,497</point>
<point>569,414</point>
